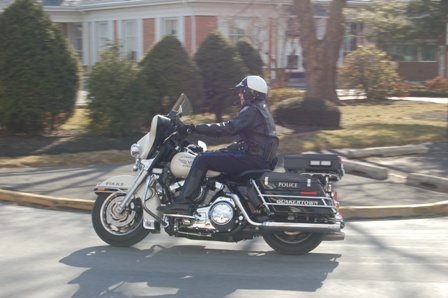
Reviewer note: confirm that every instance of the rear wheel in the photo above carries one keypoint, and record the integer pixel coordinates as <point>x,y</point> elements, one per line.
<point>293,243</point>
<point>115,228</point>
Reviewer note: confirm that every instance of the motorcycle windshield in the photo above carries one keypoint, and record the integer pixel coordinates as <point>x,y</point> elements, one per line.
<point>183,107</point>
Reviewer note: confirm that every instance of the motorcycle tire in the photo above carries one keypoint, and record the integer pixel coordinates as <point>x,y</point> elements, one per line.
<point>117,229</point>
<point>293,243</point>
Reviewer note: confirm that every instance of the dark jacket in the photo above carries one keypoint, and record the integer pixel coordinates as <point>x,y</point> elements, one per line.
<point>253,127</point>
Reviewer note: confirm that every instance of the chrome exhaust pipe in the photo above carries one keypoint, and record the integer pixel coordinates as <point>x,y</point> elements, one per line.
<point>286,226</point>
<point>297,227</point>
<point>335,236</point>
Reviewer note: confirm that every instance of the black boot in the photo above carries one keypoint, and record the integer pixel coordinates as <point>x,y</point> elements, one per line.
<point>180,206</point>
<point>188,193</point>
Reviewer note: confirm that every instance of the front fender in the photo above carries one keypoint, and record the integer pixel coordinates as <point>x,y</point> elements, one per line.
<point>116,183</point>
<point>123,183</point>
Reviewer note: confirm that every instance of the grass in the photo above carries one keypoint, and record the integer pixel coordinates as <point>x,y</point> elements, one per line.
<point>83,158</point>
<point>363,125</point>
<point>396,123</point>
<point>78,121</point>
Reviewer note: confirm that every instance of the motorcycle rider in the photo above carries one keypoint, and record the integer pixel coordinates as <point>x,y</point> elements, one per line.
<point>254,148</point>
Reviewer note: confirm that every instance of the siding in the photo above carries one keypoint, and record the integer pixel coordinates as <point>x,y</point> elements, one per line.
<point>417,71</point>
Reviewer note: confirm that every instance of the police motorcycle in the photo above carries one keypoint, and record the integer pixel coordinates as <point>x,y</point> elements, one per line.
<point>293,210</point>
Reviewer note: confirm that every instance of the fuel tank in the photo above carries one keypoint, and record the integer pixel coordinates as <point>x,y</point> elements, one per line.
<point>181,164</point>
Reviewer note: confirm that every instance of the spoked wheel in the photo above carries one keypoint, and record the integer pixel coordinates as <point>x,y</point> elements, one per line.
<point>293,243</point>
<point>115,228</point>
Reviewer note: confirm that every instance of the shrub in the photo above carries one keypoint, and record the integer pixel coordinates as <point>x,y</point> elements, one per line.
<point>166,72</point>
<point>285,112</point>
<point>115,109</point>
<point>438,84</point>
<point>221,68</point>
<point>308,111</point>
<point>370,70</point>
<point>437,87</point>
<point>40,72</point>
<point>250,57</point>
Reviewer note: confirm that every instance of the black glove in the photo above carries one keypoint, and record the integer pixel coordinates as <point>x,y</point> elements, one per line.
<point>186,129</point>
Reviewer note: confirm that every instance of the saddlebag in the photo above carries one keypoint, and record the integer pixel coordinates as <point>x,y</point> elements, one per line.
<point>289,193</point>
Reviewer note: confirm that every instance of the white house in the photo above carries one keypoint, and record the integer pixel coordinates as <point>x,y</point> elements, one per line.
<point>270,24</point>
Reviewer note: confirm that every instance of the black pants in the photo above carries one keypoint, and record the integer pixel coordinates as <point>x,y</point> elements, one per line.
<point>228,162</point>
<point>220,161</point>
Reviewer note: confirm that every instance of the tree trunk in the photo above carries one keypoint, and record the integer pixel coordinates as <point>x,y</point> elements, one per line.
<point>320,57</point>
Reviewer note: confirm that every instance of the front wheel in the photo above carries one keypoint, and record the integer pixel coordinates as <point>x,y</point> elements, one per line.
<point>293,243</point>
<point>115,228</point>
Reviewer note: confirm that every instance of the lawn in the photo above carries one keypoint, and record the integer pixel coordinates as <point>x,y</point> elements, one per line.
<point>362,125</point>
<point>396,123</point>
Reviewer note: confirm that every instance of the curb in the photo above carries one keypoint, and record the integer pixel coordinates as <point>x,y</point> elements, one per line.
<point>439,208</point>
<point>363,169</point>
<point>348,212</point>
<point>41,200</point>
<point>387,151</point>
<point>430,182</point>
<point>427,181</point>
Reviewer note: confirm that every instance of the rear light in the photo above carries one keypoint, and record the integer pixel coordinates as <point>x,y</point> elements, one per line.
<point>308,193</point>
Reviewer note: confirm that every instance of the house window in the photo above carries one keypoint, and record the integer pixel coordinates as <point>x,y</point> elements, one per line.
<point>353,37</point>
<point>77,39</point>
<point>292,62</point>
<point>102,37</point>
<point>410,53</point>
<point>129,39</point>
<point>321,27</point>
<point>292,26</point>
<point>429,53</point>
<point>403,52</point>
<point>170,27</point>
<point>235,34</point>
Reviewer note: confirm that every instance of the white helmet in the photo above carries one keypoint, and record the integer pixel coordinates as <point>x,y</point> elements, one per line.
<point>257,84</point>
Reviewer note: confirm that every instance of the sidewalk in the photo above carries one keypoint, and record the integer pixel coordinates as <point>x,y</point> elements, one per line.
<point>349,94</point>
<point>373,187</point>
<point>419,172</point>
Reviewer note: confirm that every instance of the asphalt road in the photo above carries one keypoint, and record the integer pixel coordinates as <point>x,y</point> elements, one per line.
<point>47,253</point>
<point>78,183</point>
<point>395,195</point>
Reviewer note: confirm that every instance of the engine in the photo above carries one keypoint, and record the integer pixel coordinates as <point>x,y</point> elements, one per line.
<point>220,216</point>
<point>215,213</point>
<point>223,214</point>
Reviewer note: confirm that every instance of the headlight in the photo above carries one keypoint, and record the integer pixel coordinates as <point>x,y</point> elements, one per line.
<point>136,150</point>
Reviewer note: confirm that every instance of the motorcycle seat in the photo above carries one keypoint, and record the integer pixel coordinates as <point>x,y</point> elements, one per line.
<point>249,174</point>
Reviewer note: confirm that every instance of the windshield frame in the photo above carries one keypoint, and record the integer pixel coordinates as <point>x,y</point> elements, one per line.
<point>182,108</point>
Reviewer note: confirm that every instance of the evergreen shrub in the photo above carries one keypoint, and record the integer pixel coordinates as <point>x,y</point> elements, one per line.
<point>166,72</point>
<point>115,108</point>
<point>308,111</point>
<point>222,69</point>
<point>251,57</point>
<point>39,71</point>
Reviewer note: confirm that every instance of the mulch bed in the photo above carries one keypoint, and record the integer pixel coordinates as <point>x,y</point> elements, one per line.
<point>72,142</point>
<point>23,146</point>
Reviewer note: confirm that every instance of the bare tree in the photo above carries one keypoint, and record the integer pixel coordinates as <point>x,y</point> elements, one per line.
<point>268,33</point>
<point>320,56</point>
